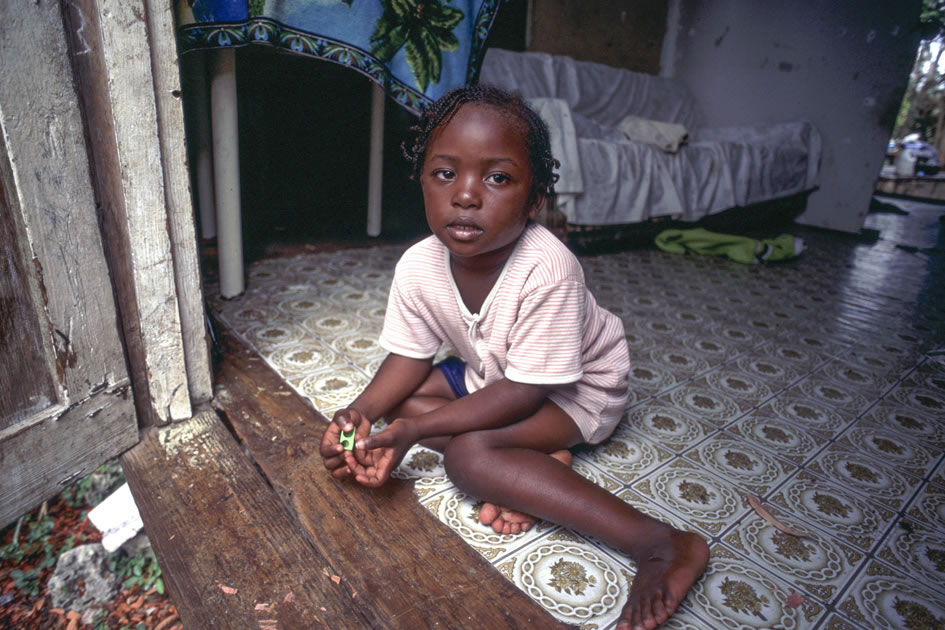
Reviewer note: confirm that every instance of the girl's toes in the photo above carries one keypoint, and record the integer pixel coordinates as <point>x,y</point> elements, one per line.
<point>488,513</point>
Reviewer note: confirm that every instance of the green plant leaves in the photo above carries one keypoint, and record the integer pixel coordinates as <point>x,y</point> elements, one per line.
<point>140,570</point>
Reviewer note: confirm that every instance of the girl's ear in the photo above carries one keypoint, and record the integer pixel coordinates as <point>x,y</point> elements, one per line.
<point>538,202</point>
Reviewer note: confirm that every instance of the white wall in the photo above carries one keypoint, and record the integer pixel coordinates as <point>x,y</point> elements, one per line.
<point>842,64</point>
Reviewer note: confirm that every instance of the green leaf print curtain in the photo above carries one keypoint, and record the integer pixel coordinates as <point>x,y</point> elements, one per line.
<point>416,49</point>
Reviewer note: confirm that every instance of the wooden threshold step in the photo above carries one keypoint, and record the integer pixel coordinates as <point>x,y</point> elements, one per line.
<point>408,569</point>
<point>230,555</point>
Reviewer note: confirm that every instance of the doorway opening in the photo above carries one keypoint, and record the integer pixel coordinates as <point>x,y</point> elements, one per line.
<point>917,143</point>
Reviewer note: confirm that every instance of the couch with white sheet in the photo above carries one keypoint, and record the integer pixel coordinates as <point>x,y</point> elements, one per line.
<point>633,146</point>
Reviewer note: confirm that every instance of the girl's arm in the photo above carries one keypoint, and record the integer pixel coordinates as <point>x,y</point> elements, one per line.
<point>495,405</point>
<point>396,379</point>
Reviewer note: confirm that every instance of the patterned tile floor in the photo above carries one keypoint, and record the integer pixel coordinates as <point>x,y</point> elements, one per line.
<point>817,385</point>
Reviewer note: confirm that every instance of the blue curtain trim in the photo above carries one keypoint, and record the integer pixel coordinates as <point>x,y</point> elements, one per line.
<point>269,32</point>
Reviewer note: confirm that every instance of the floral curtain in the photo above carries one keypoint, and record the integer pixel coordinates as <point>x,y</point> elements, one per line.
<point>416,49</point>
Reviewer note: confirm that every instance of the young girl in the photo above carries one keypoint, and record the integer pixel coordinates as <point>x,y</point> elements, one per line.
<point>543,367</point>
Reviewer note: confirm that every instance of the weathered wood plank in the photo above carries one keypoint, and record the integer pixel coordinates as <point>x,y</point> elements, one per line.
<point>77,424</point>
<point>51,188</point>
<point>130,85</point>
<point>416,571</point>
<point>180,211</point>
<point>85,42</point>
<point>31,387</point>
<point>41,457</point>
<point>213,521</point>
<point>931,188</point>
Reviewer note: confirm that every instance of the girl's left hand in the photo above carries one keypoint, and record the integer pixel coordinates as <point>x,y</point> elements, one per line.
<point>331,449</point>
<point>375,457</point>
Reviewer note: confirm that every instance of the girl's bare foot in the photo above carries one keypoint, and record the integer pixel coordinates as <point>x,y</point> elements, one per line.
<point>506,521</point>
<point>666,571</point>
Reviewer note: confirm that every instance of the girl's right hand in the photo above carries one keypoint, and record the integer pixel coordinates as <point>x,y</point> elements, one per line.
<point>374,458</point>
<point>332,451</point>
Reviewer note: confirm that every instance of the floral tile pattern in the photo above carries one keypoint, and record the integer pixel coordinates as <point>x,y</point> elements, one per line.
<point>735,593</point>
<point>872,478</point>
<point>576,582</point>
<point>818,565</point>
<point>816,385</point>
<point>882,597</point>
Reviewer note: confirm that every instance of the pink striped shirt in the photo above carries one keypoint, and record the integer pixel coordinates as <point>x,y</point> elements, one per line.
<point>539,324</point>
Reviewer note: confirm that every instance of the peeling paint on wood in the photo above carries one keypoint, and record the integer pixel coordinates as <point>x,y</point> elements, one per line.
<point>170,117</point>
<point>64,295</point>
<point>131,94</point>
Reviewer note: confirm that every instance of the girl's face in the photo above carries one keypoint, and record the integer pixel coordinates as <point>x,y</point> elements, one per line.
<point>477,185</point>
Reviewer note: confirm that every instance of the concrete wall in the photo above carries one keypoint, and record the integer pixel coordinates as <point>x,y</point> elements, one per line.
<point>621,33</point>
<point>842,64</point>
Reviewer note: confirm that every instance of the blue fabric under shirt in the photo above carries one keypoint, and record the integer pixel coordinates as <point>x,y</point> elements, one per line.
<point>454,369</point>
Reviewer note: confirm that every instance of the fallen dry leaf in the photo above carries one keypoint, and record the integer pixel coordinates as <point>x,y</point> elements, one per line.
<point>336,579</point>
<point>288,597</point>
<point>794,600</point>
<point>765,514</point>
<point>263,607</point>
<point>167,623</point>
<point>229,590</point>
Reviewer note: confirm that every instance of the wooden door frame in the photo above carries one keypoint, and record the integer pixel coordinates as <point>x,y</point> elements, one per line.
<point>124,56</point>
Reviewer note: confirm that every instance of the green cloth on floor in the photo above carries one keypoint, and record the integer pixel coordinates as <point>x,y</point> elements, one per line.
<point>743,249</point>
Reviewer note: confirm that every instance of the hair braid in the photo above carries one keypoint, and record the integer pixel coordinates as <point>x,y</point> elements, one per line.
<point>537,139</point>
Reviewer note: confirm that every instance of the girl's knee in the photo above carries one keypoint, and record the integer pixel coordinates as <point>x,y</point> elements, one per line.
<point>463,458</point>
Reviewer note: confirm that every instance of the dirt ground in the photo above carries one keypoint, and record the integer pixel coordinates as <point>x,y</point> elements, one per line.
<point>30,548</point>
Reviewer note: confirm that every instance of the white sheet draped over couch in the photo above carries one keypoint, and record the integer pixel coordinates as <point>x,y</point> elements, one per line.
<point>608,179</point>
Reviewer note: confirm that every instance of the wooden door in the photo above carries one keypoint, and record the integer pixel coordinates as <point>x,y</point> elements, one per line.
<point>65,396</point>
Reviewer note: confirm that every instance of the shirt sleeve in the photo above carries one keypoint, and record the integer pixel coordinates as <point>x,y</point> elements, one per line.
<point>406,331</point>
<point>545,344</point>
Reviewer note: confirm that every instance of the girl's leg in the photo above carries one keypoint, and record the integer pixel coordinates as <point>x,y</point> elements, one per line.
<point>505,520</point>
<point>433,394</point>
<point>509,466</point>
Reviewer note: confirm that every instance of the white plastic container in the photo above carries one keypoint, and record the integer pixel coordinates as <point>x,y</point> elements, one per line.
<point>905,162</point>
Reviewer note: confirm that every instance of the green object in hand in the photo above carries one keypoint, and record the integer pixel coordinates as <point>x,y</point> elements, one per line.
<point>347,440</point>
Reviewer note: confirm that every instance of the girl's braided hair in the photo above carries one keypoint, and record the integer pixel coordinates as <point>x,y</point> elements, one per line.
<point>536,135</point>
